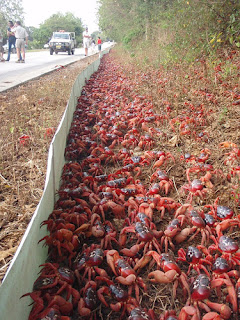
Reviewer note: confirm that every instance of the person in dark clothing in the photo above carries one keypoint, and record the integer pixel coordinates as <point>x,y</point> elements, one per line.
<point>11,38</point>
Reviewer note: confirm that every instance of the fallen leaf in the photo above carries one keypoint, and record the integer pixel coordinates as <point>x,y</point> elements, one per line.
<point>173,141</point>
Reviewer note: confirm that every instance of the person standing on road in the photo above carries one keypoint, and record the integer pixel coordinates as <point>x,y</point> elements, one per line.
<point>11,38</point>
<point>21,40</point>
<point>1,48</point>
<point>86,41</point>
<point>99,42</point>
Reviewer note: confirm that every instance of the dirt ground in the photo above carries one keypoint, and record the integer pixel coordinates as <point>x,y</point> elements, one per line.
<point>176,93</point>
<point>29,116</point>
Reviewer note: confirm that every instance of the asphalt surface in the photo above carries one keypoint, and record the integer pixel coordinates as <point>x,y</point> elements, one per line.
<point>13,74</point>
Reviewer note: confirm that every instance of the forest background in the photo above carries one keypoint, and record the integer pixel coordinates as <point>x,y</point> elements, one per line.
<point>170,27</point>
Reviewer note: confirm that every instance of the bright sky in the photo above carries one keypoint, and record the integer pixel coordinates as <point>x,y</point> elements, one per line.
<point>37,12</point>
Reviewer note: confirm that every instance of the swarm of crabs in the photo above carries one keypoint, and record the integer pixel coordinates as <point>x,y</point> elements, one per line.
<point>139,232</point>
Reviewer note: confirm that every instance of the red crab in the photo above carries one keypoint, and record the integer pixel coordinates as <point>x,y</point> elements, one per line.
<point>228,248</point>
<point>201,227</point>
<point>124,273</point>
<point>147,238</point>
<point>162,157</point>
<point>193,256</point>
<point>195,188</point>
<point>222,275</point>
<point>89,260</point>
<point>65,242</point>
<point>173,232</point>
<point>200,292</point>
<point>165,183</point>
<point>88,301</point>
<point>170,271</point>
<point>220,212</point>
<point>146,142</point>
<point>141,314</point>
<point>120,298</point>
<point>103,231</point>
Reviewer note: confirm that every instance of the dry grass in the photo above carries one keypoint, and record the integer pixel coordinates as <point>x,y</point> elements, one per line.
<point>176,88</point>
<point>33,109</point>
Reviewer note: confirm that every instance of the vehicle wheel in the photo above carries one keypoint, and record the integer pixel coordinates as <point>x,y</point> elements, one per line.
<point>69,52</point>
<point>72,51</point>
<point>51,52</point>
<point>56,52</point>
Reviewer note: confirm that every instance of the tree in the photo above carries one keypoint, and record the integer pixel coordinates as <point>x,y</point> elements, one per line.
<point>57,22</point>
<point>10,10</point>
<point>192,26</point>
<point>124,20</point>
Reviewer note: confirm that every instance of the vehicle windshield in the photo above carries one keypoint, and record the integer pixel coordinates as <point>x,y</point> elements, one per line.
<point>61,36</point>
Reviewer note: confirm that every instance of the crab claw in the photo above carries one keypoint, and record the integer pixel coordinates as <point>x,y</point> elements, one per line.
<point>182,210</point>
<point>211,316</point>
<point>158,276</point>
<point>224,311</point>
<point>225,224</point>
<point>112,255</point>
<point>142,262</point>
<point>64,306</point>
<point>227,144</point>
<point>133,250</point>
<point>82,310</point>
<point>128,280</point>
<point>159,162</point>
<point>182,236</point>
<point>146,258</point>
<point>147,209</point>
<point>231,291</point>
<point>187,312</point>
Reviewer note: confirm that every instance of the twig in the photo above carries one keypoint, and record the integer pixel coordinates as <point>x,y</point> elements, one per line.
<point>6,265</point>
<point>5,180</point>
<point>179,199</point>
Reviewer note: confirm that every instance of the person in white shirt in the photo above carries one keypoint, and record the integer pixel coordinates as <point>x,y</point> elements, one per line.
<point>21,40</point>
<point>86,41</point>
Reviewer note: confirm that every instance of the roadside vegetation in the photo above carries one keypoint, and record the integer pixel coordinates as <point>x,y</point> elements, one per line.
<point>175,29</point>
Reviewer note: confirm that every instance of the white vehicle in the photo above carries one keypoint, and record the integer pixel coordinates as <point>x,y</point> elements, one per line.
<point>5,48</point>
<point>62,41</point>
<point>46,46</point>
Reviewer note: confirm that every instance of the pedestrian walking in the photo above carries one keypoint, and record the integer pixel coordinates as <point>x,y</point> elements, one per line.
<point>86,41</point>
<point>1,48</point>
<point>21,40</point>
<point>99,42</point>
<point>11,38</point>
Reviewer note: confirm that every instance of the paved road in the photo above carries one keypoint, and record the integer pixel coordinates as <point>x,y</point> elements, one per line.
<point>37,64</point>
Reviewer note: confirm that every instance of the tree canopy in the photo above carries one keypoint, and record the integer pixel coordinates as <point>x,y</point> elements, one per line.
<point>10,10</point>
<point>54,23</point>
<point>185,23</point>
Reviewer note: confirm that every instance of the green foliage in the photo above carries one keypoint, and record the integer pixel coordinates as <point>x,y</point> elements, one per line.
<point>223,115</point>
<point>96,34</point>
<point>10,10</point>
<point>127,40</point>
<point>176,28</point>
<point>57,22</point>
